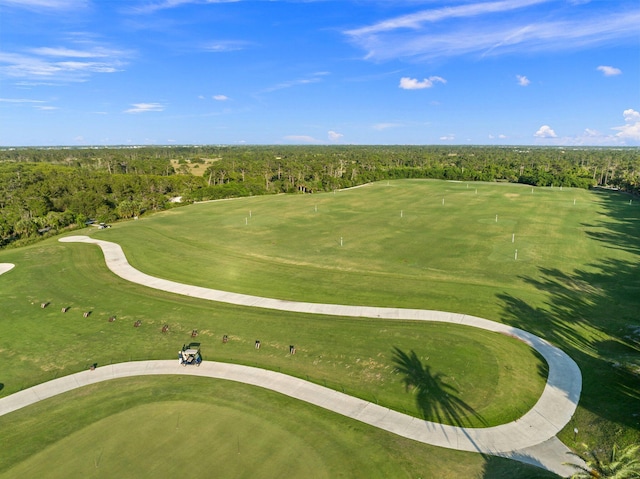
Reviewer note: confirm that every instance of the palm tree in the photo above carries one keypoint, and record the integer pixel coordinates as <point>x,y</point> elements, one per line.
<point>623,464</point>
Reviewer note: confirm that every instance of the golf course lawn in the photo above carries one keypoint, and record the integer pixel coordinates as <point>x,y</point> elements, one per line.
<point>164,427</point>
<point>420,244</point>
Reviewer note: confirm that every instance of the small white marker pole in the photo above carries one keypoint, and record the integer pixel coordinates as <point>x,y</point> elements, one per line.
<point>516,255</point>
<point>496,218</point>
<point>513,237</point>
<point>249,213</point>
<point>574,202</point>
<point>629,201</point>
<point>246,221</point>
<point>476,191</point>
<point>316,208</point>
<point>467,185</point>
<point>401,213</point>
<point>560,187</point>
<point>442,201</point>
<point>340,240</point>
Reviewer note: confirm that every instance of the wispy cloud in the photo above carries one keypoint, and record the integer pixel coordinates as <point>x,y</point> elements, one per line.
<point>150,7</point>
<point>45,4</point>
<point>494,28</point>
<point>407,83</point>
<point>523,80</point>
<point>609,71</point>
<point>385,126</point>
<point>415,21</point>
<point>301,139</point>
<point>61,64</point>
<point>96,52</point>
<point>220,97</point>
<point>35,104</point>
<point>145,107</point>
<point>20,100</point>
<point>223,46</point>
<point>313,78</point>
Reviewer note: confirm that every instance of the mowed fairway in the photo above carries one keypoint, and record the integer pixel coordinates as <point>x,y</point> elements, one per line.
<point>423,244</point>
<point>387,244</point>
<point>163,427</point>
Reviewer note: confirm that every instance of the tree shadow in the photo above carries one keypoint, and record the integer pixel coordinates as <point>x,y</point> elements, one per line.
<point>437,400</point>
<point>526,467</point>
<point>591,313</point>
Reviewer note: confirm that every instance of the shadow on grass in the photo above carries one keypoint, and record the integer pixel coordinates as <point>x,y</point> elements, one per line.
<point>503,468</point>
<point>437,400</point>
<point>592,314</point>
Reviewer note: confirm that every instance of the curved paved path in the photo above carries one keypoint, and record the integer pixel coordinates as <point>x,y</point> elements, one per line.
<point>529,439</point>
<point>4,267</point>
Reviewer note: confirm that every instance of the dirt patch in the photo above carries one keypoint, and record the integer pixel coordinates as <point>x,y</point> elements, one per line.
<point>511,195</point>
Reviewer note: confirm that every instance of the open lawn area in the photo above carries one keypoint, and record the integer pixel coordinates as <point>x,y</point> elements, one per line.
<point>561,264</point>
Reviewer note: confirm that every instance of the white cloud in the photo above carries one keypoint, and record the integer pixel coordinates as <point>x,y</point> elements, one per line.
<point>545,131</point>
<point>407,83</point>
<point>301,139</point>
<point>449,137</point>
<point>522,80</point>
<point>220,97</point>
<point>631,115</point>
<point>630,131</point>
<point>334,136</point>
<point>145,107</point>
<point>609,71</point>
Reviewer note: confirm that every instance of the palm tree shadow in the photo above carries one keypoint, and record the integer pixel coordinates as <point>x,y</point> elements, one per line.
<point>437,400</point>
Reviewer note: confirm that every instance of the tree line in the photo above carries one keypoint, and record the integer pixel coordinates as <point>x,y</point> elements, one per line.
<point>46,190</point>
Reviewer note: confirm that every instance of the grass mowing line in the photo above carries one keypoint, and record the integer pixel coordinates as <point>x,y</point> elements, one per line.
<point>556,404</point>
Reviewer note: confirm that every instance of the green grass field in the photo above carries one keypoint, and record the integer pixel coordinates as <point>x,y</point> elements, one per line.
<point>422,244</point>
<point>171,426</point>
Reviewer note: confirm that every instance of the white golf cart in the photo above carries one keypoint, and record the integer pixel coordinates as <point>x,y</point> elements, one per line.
<point>190,355</point>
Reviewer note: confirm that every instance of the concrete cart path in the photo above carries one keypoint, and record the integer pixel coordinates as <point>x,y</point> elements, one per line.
<point>4,267</point>
<point>530,439</point>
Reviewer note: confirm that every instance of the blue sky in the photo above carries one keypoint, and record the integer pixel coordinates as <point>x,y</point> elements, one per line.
<point>109,72</point>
